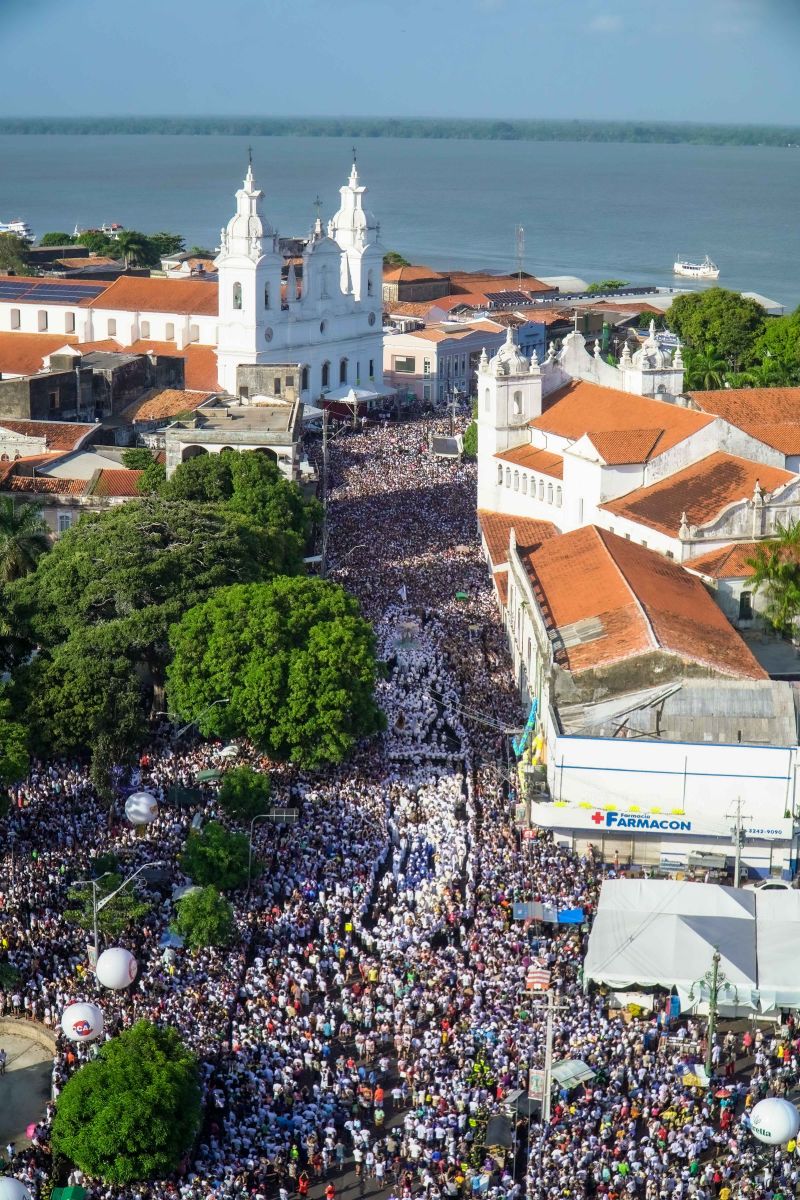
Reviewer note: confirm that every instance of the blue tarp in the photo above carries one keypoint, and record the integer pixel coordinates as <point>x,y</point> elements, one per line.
<point>571,916</point>
<point>532,910</point>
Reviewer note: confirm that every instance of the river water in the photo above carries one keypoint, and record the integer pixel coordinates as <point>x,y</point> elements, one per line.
<point>594,210</point>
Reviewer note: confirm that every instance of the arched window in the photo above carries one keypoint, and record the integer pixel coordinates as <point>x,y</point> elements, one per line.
<point>500,473</point>
<point>304,379</point>
<point>508,476</point>
<point>549,493</point>
<point>541,489</point>
<point>326,374</point>
<point>517,404</point>
<point>237,296</point>
<point>323,282</point>
<point>343,371</point>
<point>558,497</point>
<point>266,295</point>
<point>524,485</point>
<point>370,283</point>
<point>3,458</point>
<point>487,400</point>
<point>516,481</point>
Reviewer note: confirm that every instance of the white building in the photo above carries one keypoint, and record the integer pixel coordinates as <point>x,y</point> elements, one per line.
<point>253,312</point>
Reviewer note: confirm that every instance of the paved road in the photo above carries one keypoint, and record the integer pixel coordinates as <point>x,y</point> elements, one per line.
<point>25,1087</point>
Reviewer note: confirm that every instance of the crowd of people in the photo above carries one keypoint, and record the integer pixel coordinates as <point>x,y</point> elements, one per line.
<point>371,1018</point>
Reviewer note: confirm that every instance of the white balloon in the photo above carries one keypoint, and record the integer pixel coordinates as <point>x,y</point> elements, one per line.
<point>82,1022</point>
<point>774,1121</point>
<point>13,1189</point>
<point>116,968</point>
<point>141,808</point>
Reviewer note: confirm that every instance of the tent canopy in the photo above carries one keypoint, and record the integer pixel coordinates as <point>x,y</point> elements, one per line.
<point>663,933</point>
<point>572,1072</point>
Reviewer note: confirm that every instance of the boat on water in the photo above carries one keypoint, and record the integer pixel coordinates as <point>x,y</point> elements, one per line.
<point>703,270</point>
<point>18,228</point>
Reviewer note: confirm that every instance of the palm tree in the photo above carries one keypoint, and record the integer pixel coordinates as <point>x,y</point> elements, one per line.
<point>134,248</point>
<point>776,569</point>
<point>705,370</point>
<point>24,537</point>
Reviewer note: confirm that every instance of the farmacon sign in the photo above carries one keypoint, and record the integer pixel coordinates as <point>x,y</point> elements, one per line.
<point>621,820</point>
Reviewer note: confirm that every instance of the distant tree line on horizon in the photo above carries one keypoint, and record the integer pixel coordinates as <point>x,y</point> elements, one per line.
<point>676,132</point>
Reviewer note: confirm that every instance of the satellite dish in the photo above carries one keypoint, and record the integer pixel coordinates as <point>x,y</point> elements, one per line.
<point>774,1121</point>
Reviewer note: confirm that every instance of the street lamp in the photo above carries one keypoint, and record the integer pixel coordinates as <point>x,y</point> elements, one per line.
<point>716,981</point>
<point>184,729</point>
<point>258,817</point>
<point>99,906</point>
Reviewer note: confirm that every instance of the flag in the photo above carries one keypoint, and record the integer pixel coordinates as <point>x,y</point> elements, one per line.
<point>402,593</point>
<point>537,978</point>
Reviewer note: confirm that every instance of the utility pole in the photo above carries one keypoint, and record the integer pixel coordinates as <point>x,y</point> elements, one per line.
<point>738,840</point>
<point>323,566</point>
<point>716,981</point>
<point>548,1058</point>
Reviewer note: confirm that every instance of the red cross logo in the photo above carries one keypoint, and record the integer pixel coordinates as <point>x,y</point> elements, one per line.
<point>598,818</point>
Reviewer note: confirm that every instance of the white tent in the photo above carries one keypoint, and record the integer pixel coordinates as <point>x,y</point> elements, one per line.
<point>650,932</point>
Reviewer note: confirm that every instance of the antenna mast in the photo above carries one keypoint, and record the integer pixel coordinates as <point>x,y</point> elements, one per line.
<point>519,243</point>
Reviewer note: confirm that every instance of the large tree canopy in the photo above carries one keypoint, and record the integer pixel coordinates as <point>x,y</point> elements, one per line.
<point>13,747</point>
<point>718,319</point>
<point>139,567</point>
<point>296,660</point>
<point>129,1115</point>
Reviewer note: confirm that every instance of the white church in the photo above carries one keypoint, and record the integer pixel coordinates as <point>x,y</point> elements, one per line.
<point>255,312</point>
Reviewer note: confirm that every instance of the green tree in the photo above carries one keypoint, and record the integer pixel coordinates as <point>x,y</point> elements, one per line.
<point>56,239</point>
<point>392,258</point>
<point>13,747</point>
<point>135,249</point>
<point>704,370</point>
<point>216,857</point>
<point>244,793</point>
<point>152,479</point>
<point>204,919</point>
<point>296,659</point>
<point>129,1115</point>
<point>122,913</point>
<point>14,255</point>
<point>98,243</point>
<point>776,573</point>
<point>205,479</point>
<point>137,458</point>
<point>778,348</point>
<point>261,492</point>
<point>725,320</point>
<point>200,252</point>
<point>164,244</point>
<point>24,538</point>
<point>606,285</point>
<point>136,569</point>
<point>470,445</point>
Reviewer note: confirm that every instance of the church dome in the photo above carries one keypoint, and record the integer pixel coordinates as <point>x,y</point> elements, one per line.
<point>248,226</point>
<point>650,356</point>
<point>353,225</point>
<point>509,359</point>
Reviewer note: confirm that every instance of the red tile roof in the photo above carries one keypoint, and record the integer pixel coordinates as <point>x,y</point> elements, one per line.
<point>606,600</point>
<point>702,491</point>
<point>50,485</point>
<point>59,435</point>
<point>770,414</point>
<point>200,362</point>
<point>587,408</point>
<point>728,562</point>
<point>132,293</point>
<point>532,458</point>
<point>24,353</point>
<point>411,274</point>
<point>479,281</point>
<point>496,527</point>
<point>618,448</point>
<point>111,481</point>
<point>163,403</point>
<point>500,579</point>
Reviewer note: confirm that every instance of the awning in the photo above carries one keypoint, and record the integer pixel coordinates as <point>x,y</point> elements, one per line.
<point>572,1072</point>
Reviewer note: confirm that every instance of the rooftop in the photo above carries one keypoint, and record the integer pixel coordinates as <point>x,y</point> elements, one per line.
<point>58,435</point>
<point>411,274</point>
<point>194,296</point>
<point>200,362</point>
<point>163,403</point>
<point>605,600</point>
<point>24,353</point>
<point>728,562</point>
<point>772,415</point>
<point>496,528</point>
<point>534,459</point>
<point>702,491</point>
<point>587,408</point>
<point>274,418</point>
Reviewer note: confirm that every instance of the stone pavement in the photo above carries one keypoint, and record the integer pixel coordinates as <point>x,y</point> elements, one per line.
<point>25,1087</point>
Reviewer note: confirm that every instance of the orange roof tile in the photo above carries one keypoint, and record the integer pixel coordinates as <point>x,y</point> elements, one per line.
<point>24,353</point>
<point>132,293</point>
<point>91,260</point>
<point>410,274</point>
<point>166,402</point>
<point>728,562</point>
<point>112,481</point>
<point>496,527</point>
<point>500,579</point>
<point>702,491</point>
<point>534,459</point>
<point>200,362</point>
<point>59,435</point>
<point>587,408</point>
<point>619,447</point>
<point>606,600</point>
<point>479,281</point>
<point>772,415</point>
<point>46,485</point>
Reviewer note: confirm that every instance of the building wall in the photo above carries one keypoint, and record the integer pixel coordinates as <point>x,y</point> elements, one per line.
<point>52,396</point>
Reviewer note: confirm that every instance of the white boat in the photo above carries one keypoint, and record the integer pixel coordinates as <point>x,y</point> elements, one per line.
<point>704,270</point>
<point>18,228</point>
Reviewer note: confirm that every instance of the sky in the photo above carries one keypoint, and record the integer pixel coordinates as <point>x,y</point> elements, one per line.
<point>732,61</point>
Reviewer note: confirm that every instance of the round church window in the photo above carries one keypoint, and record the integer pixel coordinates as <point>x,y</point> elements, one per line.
<point>268,334</point>
<point>372,318</point>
